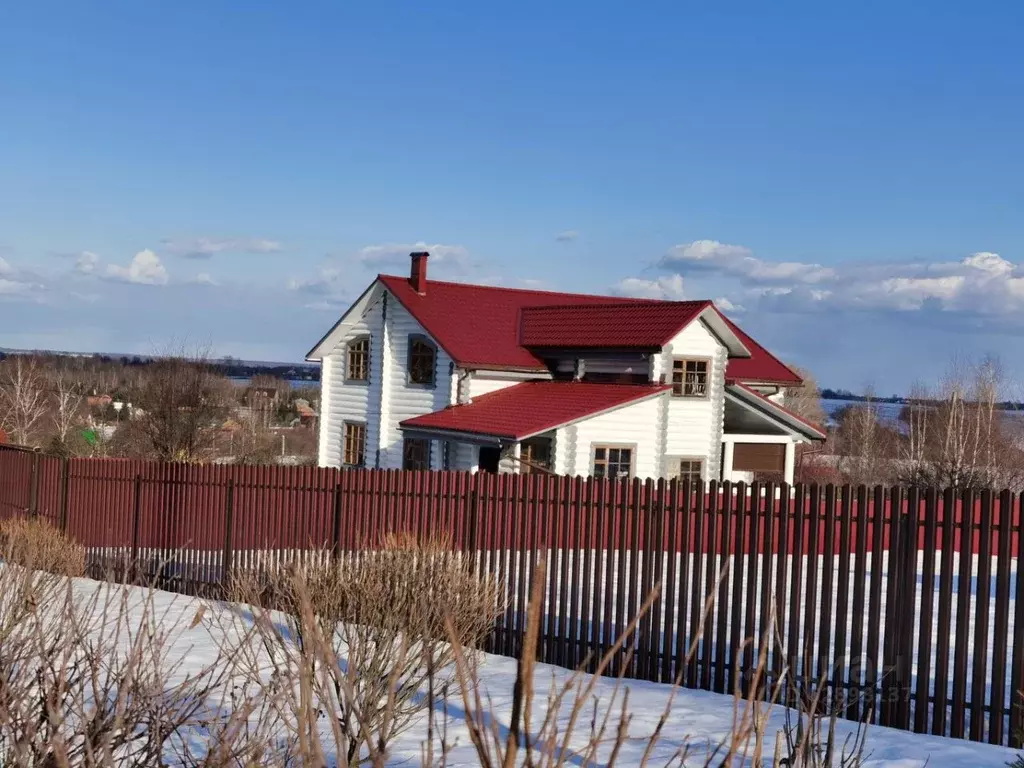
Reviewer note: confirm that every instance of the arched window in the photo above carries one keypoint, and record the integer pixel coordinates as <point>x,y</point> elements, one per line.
<point>422,360</point>
<point>357,366</point>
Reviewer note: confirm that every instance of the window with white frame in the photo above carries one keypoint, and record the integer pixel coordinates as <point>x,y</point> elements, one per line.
<point>690,377</point>
<point>614,461</point>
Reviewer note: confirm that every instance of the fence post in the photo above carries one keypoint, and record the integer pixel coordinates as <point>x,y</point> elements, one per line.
<point>33,491</point>
<point>136,513</point>
<point>907,613</point>
<point>474,515</point>
<point>336,530</point>
<point>229,526</point>
<point>65,485</point>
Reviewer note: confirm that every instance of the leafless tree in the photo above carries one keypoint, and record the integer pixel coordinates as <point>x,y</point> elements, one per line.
<point>960,439</point>
<point>22,398</point>
<point>178,400</point>
<point>805,400</point>
<point>66,397</point>
<point>863,444</point>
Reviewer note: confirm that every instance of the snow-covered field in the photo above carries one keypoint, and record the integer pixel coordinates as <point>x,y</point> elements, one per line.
<point>560,611</point>
<point>696,717</point>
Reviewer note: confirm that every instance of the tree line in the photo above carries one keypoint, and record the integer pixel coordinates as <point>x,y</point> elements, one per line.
<point>175,406</point>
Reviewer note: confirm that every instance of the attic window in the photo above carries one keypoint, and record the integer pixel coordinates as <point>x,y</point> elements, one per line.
<point>358,360</point>
<point>422,358</point>
<point>689,378</point>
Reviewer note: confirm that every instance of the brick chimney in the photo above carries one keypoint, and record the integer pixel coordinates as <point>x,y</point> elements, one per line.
<point>418,275</point>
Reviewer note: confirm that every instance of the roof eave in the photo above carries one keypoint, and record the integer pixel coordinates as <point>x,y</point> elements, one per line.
<point>778,413</point>
<point>315,355</point>
<point>518,437</point>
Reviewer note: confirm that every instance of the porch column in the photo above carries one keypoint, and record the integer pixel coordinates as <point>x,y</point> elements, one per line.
<point>790,465</point>
<point>728,449</point>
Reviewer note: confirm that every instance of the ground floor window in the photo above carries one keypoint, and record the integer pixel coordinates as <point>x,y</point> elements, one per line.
<point>535,456</point>
<point>355,444</point>
<point>687,469</point>
<point>613,461</point>
<point>415,453</point>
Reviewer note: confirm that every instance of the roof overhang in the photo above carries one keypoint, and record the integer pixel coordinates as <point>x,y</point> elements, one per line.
<point>351,315</point>
<point>776,413</point>
<point>714,322</point>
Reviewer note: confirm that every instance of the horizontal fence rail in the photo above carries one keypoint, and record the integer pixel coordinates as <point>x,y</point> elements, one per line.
<point>903,602</point>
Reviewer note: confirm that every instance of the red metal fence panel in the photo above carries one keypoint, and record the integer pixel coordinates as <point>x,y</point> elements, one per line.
<point>908,603</point>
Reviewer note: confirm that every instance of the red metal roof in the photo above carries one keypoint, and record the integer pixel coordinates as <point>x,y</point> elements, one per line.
<point>479,326</point>
<point>625,324</point>
<point>761,366</point>
<point>526,409</point>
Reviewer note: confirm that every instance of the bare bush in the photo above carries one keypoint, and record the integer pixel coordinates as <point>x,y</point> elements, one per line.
<point>89,679</point>
<point>35,544</point>
<point>361,640</point>
<point>809,738</point>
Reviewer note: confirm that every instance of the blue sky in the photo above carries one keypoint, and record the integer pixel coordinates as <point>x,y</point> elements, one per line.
<point>845,177</point>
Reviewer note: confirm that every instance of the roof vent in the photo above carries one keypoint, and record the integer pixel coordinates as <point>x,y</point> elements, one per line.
<point>418,274</point>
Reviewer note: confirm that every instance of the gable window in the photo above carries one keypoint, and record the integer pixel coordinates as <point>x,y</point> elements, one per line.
<point>415,453</point>
<point>613,461</point>
<point>358,360</point>
<point>422,358</point>
<point>355,444</point>
<point>689,378</point>
<point>687,470</point>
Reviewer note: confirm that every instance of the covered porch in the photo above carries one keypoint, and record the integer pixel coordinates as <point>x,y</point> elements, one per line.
<point>760,437</point>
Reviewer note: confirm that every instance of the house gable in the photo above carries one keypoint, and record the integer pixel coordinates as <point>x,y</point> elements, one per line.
<point>693,425</point>
<point>387,397</point>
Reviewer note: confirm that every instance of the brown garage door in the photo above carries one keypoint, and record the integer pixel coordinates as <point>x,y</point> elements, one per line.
<point>759,457</point>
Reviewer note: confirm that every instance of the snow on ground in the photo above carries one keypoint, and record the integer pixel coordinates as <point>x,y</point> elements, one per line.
<point>696,717</point>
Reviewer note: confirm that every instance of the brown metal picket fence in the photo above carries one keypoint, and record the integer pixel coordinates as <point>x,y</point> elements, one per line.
<point>903,601</point>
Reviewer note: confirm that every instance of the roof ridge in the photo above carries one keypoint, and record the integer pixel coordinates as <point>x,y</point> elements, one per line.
<point>541,291</point>
<point>624,303</point>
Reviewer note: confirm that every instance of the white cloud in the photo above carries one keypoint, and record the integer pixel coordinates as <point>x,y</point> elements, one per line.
<point>726,304</point>
<point>738,261</point>
<point>205,247</point>
<point>204,278</point>
<point>981,284</point>
<point>395,254</point>
<point>144,269</point>
<point>567,236</point>
<point>324,283</point>
<point>5,267</point>
<point>87,262</point>
<point>14,287</point>
<point>668,287</point>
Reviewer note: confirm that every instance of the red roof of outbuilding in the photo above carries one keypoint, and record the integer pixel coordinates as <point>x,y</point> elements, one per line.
<point>623,324</point>
<point>479,325</point>
<point>527,409</point>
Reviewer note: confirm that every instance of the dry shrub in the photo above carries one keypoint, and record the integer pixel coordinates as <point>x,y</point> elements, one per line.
<point>362,642</point>
<point>38,545</point>
<point>89,677</point>
<point>575,728</point>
